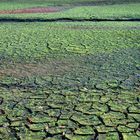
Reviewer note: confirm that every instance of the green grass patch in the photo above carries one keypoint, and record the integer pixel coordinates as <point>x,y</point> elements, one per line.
<point>87,12</point>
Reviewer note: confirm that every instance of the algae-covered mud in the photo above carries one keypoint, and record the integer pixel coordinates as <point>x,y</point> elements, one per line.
<point>85,87</point>
<point>70,80</point>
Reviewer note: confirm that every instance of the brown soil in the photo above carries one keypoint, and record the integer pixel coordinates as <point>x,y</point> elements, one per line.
<point>28,70</point>
<point>32,10</point>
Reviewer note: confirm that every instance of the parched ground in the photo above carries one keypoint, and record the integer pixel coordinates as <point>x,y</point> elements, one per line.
<point>77,98</point>
<point>70,81</point>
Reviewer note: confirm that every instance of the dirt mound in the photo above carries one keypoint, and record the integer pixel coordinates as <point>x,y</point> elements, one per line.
<point>32,10</point>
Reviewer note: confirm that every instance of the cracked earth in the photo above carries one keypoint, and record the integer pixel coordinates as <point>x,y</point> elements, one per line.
<point>82,101</point>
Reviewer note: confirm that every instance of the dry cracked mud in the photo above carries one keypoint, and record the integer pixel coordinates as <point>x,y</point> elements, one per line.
<point>92,99</point>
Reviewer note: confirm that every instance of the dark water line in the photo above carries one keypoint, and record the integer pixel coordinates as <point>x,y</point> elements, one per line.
<point>69,20</point>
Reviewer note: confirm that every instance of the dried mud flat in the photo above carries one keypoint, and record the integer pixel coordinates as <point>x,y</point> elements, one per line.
<point>72,99</point>
<point>73,105</point>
